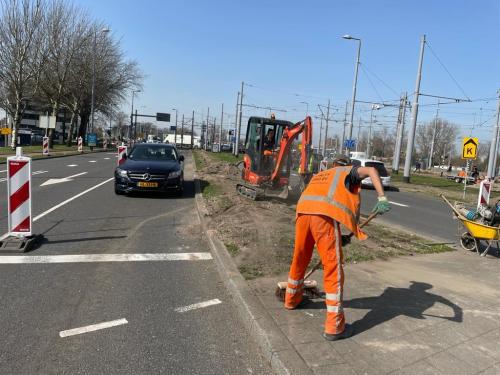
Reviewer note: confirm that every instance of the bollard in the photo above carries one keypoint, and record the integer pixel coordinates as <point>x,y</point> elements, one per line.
<point>484,192</point>
<point>80,144</point>
<point>45,146</point>
<point>122,151</point>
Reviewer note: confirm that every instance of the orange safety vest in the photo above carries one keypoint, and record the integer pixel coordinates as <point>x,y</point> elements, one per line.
<point>327,195</point>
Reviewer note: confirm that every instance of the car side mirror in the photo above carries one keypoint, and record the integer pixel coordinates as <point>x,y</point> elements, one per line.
<point>181,157</point>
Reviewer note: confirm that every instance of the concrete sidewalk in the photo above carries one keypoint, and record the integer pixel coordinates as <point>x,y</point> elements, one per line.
<point>430,314</point>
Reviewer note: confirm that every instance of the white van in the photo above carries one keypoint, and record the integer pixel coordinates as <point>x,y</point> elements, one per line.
<point>379,166</point>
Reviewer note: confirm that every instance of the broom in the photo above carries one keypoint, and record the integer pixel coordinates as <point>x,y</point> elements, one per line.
<point>310,287</point>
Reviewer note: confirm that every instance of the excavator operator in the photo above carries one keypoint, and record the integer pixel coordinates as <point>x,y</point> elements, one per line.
<point>331,198</point>
<point>268,146</point>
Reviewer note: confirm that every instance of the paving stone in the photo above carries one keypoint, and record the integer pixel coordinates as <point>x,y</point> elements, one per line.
<point>441,336</point>
<point>472,355</point>
<point>493,370</point>
<point>448,364</point>
<point>318,354</point>
<point>300,334</point>
<point>489,343</point>
<point>283,316</point>
<point>419,368</point>
<point>338,369</point>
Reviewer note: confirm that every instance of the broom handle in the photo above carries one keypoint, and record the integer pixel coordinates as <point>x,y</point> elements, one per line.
<point>317,265</point>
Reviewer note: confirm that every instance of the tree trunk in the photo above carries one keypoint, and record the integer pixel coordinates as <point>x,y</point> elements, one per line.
<point>83,124</point>
<point>69,142</point>
<point>15,126</point>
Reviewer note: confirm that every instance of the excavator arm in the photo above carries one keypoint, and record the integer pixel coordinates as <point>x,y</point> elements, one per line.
<point>303,127</point>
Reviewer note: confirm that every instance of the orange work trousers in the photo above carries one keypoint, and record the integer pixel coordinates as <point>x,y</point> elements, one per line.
<point>325,233</point>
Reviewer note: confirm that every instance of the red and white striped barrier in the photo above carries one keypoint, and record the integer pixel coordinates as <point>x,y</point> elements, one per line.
<point>105,144</point>
<point>19,193</point>
<point>484,192</point>
<point>45,145</point>
<point>80,144</point>
<point>122,151</point>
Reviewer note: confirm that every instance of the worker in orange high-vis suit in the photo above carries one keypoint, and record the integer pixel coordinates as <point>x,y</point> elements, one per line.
<point>331,198</point>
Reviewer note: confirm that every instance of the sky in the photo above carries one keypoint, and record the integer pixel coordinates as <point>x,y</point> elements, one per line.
<point>196,53</point>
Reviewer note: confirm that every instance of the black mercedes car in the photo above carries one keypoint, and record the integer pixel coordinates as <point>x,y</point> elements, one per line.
<point>151,167</point>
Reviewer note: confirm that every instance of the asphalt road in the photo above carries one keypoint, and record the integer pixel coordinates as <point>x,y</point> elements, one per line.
<point>415,212</point>
<point>158,329</point>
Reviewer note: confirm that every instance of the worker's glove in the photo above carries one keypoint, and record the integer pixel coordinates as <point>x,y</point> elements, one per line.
<point>346,239</point>
<point>382,206</point>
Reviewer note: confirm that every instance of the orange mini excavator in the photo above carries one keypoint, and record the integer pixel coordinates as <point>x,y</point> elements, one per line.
<point>267,161</point>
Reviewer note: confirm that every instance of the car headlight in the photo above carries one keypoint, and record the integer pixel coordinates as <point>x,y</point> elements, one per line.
<point>121,172</point>
<point>175,174</point>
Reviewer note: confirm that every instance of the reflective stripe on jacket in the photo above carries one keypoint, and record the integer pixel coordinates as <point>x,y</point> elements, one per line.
<point>327,195</point>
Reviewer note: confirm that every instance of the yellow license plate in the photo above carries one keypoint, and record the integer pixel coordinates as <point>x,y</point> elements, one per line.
<point>147,184</point>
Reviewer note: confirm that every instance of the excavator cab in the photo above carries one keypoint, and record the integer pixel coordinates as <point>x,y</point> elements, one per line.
<point>267,159</point>
<point>262,145</point>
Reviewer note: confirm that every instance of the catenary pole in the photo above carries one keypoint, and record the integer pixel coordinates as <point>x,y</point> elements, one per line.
<point>192,130</point>
<point>493,146</point>
<point>431,154</point>
<point>399,135</point>
<point>414,114</point>
<point>238,131</point>
<point>206,129</point>
<point>326,126</point>
<point>220,130</point>
<point>235,150</point>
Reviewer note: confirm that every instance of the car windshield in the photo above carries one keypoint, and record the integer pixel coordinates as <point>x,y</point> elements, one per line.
<point>153,153</point>
<point>379,167</point>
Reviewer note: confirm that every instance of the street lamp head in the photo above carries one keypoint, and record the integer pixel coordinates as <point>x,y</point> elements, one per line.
<point>347,36</point>
<point>105,30</point>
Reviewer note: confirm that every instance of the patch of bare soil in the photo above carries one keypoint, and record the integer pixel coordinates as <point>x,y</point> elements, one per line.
<point>260,234</point>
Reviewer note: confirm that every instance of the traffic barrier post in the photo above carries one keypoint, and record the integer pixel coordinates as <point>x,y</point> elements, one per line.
<point>122,151</point>
<point>19,194</point>
<point>45,146</point>
<point>80,144</point>
<point>484,192</point>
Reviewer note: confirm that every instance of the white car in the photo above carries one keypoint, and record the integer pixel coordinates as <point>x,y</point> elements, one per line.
<point>379,166</point>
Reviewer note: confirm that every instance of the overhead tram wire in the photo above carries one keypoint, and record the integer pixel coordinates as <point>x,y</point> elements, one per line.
<point>371,83</point>
<point>363,66</point>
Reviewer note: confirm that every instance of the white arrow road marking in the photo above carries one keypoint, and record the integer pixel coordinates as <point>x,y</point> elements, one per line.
<point>92,161</point>
<point>398,204</point>
<point>93,327</point>
<point>72,165</point>
<point>70,199</point>
<point>53,181</point>
<point>100,258</point>
<point>198,305</point>
<point>33,174</point>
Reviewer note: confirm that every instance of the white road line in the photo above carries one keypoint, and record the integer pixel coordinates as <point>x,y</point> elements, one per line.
<point>72,165</point>
<point>101,258</point>
<point>93,327</point>
<point>92,161</point>
<point>398,204</point>
<point>106,158</point>
<point>5,170</point>
<point>198,305</point>
<point>32,173</point>
<point>71,199</point>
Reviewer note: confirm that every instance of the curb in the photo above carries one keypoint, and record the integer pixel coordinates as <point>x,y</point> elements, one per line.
<point>57,156</point>
<point>276,348</point>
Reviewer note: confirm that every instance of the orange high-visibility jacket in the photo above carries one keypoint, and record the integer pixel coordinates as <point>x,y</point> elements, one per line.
<point>327,195</point>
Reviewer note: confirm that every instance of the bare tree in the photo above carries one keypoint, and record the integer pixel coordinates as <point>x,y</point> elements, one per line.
<point>22,48</point>
<point>444,138</point>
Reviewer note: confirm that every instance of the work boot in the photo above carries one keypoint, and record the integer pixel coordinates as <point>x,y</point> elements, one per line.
<point>348,331</point>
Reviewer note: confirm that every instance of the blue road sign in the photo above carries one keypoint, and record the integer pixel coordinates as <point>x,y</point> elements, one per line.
<point>92,139</point>
<point>350,143</point>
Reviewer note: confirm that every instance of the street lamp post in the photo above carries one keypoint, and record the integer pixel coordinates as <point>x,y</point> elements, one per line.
<point>175,131</point>
<point>353,100</point>
<point>132,115</point>
<point>369,143</point>
<point>307,107</point>
<point>105,30</point>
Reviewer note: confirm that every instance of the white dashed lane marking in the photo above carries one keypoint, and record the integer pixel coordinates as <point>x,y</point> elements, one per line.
<point>92,327</point>
<point>199,305</point>
<point>72,165</point>
<point>96,258</point>
<point>398,204</point>
<point>92,161</point>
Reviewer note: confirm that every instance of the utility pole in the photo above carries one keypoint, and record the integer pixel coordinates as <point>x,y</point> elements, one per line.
<point>493,147</point>
<point>431,154</point>
<point>414,114</point>
<point>135,125</point>
<point>182,131</point>
<point>206,129</point>
<point>359,133</point>
<point>320,134</point>
<point>175,131</point>
<point>399,134</point>
<point>343,128</point>
<point>238,131</point>
<point>368,144</point>
<point>326,125</point>
<point>353,100</point>
<point>235,150</point>
<point>212,135</point>
<point>220,130</point>
<point>192,131</point>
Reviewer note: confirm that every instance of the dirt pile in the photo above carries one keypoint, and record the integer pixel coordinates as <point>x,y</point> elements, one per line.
<point>260,234</point>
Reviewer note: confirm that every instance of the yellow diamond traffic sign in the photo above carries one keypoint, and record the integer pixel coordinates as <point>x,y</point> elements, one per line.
<point>469,148</point>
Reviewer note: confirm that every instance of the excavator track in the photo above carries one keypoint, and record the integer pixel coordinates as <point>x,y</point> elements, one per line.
<point>247,191</point>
